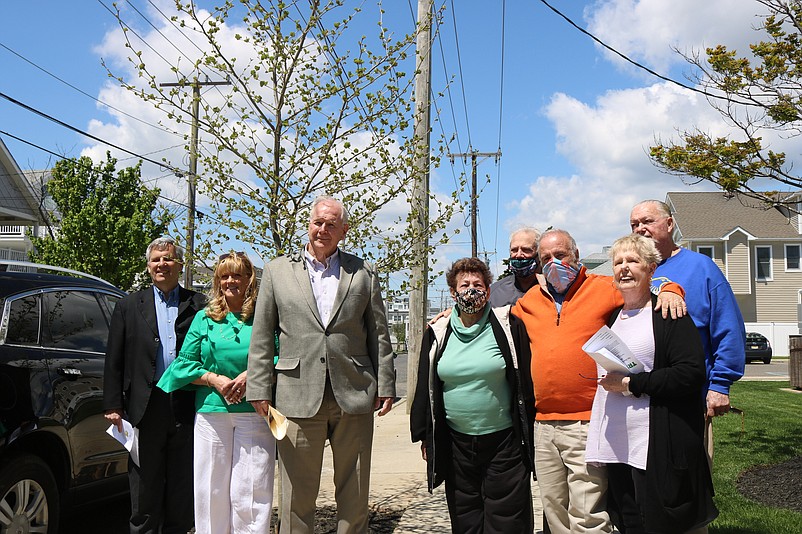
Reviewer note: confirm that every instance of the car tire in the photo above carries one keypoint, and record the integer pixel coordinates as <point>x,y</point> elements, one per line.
<point>29,499</point>
<point>767,360</point>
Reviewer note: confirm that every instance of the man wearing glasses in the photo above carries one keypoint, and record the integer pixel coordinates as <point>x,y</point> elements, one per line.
<point>711,305</point>
<point>146,332</point>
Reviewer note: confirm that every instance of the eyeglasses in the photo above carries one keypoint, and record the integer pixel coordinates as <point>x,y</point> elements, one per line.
<point>238,254</point>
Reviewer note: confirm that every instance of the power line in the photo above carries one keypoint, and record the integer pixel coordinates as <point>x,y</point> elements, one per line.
<point>641,66</point>
<point>87,134</point>
<point>60,156</point>
<point>142,39</point>
<point>461,77</point>
<point>68,84</point>
<point>500,117</point>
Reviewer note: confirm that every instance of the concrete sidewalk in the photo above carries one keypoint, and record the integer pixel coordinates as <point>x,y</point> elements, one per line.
<point>398,479</point>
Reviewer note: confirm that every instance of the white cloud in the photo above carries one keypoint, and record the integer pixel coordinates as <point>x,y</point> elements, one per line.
<point>607,143</point>
<point>647,30</point>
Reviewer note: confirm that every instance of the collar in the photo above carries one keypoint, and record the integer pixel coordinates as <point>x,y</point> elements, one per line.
<point>315,264</point>
<point>169,298</point>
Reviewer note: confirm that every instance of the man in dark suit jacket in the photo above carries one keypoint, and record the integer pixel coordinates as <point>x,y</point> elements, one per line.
<point>335,368</point>
<point>147,330</point>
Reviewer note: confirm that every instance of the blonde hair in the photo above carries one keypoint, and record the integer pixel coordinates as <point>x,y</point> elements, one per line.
<point>237,263</point>
<point>642,246</point>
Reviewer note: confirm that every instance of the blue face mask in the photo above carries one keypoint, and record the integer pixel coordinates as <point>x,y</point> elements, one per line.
<point>560,275</point>
<point>523,267</point>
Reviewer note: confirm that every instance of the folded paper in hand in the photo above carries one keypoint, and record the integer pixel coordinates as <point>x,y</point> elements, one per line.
<point>611,352</point>
<point>129,438</point>
<point>277,422</point>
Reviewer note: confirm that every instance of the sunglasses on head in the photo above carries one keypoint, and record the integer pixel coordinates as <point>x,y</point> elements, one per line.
<point>238,254</point>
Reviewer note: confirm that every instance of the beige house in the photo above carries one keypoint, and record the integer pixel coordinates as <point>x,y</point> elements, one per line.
<point>20,209</point>
<point>757,247</point>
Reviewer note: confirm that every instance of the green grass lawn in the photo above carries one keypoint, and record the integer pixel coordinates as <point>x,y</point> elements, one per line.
<point>772,434</point>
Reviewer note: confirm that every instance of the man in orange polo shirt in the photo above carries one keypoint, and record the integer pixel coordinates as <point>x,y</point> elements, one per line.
<point>560,316</point>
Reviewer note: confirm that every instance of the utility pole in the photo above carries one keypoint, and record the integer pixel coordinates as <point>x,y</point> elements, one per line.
<point>192,178</point>
<point>418,298</point>
<point>474,196</point>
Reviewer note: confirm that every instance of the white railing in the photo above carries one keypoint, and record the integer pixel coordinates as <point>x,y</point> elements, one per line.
<point>11,254</point>
<point>12,231</point>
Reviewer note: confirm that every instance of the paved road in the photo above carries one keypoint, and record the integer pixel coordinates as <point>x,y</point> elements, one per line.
<point>776,370</point>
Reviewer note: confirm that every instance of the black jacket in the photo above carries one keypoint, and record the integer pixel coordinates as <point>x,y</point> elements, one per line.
<point>679,487</point>
<point>130,368</point>
<point>427,415</point>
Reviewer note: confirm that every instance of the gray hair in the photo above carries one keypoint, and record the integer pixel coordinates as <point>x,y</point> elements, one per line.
<point>659,205</point>
<point>529,231</point>
<point>328,198</point>
<point>643,247</point>
<point>161,243</point>
<point>571,241</point>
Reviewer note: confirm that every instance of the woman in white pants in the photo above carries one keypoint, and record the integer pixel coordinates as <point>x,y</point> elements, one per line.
<point>234,448</point>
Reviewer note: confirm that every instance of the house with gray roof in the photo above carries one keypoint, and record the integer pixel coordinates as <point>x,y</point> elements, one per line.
<point>757,246</point>
<point>20,209</point>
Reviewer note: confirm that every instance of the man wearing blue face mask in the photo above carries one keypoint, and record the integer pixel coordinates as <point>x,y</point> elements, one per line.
<point>560,315</point>
<point>523,265</point>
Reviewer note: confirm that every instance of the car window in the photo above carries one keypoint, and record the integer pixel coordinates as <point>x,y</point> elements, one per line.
<point>23,321</point>
<point>74,320</point>
<point>110,301</point>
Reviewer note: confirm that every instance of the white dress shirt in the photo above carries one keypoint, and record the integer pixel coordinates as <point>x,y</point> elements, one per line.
<point>325,277</point>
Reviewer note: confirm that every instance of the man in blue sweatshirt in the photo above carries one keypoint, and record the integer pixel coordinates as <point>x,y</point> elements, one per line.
<point>710,300</point>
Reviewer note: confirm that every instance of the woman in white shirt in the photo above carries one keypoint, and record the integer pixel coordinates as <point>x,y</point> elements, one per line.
<point>647,427</point>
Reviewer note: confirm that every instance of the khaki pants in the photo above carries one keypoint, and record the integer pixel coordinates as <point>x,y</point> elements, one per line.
<point>572,492</point>
<point>301,458</point>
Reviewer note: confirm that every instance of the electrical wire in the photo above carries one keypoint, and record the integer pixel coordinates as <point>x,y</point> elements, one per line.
<point>500,119</point>
<point>461,77</point>
<point>643,67</point>
<point>60,156</point>
<point>142,39</point>
<point>68,84</point>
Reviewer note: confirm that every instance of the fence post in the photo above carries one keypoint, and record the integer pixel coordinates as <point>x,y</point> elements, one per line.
<point>795,361</point>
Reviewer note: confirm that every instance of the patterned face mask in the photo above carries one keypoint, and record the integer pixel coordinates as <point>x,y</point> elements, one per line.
<point>471,300</point>
<point>559,275</point>
<point>523,267</point>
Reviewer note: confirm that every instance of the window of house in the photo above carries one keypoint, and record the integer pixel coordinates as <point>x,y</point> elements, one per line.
<point>792,257</point>
<point>707,250</point>
<point>763,263</point>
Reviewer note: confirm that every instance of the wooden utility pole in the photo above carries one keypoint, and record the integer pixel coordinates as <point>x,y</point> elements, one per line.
<point>418,297</point>
<point>192,177</point>
<point>474,196</point>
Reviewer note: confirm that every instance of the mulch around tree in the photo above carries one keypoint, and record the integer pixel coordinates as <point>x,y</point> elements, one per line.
<point>778,486</point>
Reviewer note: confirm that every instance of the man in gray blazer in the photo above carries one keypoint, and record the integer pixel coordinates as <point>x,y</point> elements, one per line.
<point>335,368</point>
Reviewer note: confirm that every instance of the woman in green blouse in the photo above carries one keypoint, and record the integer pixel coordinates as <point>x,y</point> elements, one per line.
<point>234,449</point>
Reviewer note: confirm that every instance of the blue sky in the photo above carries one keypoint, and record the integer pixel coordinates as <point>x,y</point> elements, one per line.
<point>575,127</point>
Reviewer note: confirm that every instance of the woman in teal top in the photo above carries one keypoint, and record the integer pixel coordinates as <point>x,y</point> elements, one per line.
<point>234,448</point>
<point>473,409</point>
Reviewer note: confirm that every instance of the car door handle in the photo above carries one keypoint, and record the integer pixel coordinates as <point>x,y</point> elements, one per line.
<point>70,372</point>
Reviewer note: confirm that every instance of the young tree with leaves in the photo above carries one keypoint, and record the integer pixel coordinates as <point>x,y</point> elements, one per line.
<point>105,220</point>
<point>758,94</point>
<point>313,108</point>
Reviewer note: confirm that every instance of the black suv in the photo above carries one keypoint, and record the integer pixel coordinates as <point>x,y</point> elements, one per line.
<point>54,451</point>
